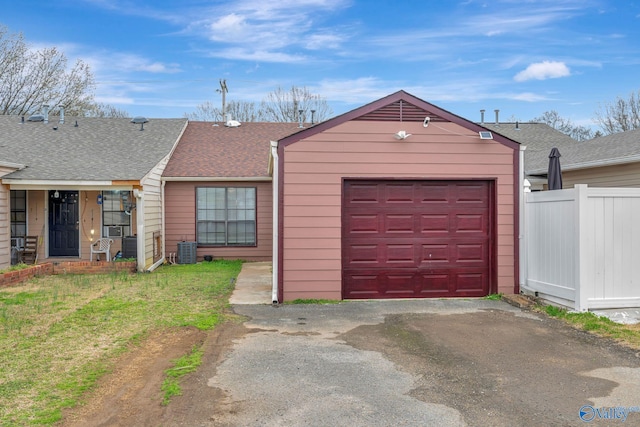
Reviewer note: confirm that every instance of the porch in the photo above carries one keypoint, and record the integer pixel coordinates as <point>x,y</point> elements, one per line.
<point>62,225</point>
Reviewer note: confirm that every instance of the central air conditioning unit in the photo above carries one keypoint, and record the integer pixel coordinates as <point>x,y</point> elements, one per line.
<point>187,252</point>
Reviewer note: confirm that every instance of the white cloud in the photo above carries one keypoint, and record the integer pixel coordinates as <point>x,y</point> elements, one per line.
<point>353,91</point>
<point>528,97</point>
<point>323,41</point>
<point>127,62</point>
<point>542,71</point>
<point>243,54</point>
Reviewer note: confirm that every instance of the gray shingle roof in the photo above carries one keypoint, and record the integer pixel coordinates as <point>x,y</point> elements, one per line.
<point>99,149</point>
<point>539,139</point>
<point>617,148</point>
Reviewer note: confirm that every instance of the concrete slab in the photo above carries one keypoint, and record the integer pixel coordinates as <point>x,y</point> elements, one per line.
<point>628,316</point>
<point>253,285</point>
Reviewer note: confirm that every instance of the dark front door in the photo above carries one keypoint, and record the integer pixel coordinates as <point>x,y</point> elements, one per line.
<point>63,223</point>
<point>416,239</point>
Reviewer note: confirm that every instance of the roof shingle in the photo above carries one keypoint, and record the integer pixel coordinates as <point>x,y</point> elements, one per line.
<point>98,149</point>
<point>207,150</point>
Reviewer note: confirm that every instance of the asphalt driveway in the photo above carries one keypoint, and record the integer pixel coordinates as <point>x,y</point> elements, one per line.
<point>426,362</point>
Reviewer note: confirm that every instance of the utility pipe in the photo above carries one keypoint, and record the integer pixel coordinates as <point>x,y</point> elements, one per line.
<point>276,239</point>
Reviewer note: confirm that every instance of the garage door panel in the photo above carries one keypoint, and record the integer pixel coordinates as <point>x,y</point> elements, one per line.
<point>399,193</point>
<point>470,223</point>
<point>436,224</point>
<point>400,254</point>
<point>400,285</point>
<point>364,254</point>
<point>433,194</point>
<point>471,283</point>
<point>363,194</point>
<point>399,223</point>
<point>471,194</point>
<point>435,253</point>
<point>363,224</point>
<point>435,283</point>
<point>420,239</point>
<point>471,253</point>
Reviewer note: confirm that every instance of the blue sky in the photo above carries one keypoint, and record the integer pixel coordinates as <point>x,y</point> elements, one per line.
<point>161,58</point>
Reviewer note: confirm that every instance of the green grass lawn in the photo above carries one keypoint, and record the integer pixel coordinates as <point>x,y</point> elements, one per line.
<point>58,334</point>
<point>627,334</point>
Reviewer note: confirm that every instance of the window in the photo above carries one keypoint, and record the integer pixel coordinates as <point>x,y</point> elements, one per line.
<point>116,214</point>
<point>226,216</point>
<point>18,213</point>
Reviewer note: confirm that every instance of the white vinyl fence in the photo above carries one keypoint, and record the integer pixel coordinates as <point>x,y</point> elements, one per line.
<point>582,247</point>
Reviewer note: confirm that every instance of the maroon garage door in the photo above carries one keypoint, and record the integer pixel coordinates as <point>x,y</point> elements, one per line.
<point>417,239</point>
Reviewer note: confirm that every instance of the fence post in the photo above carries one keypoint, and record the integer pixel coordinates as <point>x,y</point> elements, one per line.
<point>525,190</point>
<point>580,214</point>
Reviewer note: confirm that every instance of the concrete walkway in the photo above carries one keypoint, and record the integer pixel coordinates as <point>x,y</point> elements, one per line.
<point>253,285</point>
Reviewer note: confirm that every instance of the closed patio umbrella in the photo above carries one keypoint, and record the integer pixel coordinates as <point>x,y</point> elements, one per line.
<point>554,175</point>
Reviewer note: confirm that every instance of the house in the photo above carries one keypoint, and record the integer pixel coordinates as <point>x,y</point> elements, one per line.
<point>395,199</point>
<point>218,191</point>
<point>70,182</point>
<point>607,161</point>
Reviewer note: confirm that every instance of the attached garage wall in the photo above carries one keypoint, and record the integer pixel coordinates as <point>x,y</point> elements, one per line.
<point>314,170</point>
<point>180,220</point>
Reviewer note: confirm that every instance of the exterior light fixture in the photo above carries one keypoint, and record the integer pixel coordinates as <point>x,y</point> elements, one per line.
<point>400,135</point>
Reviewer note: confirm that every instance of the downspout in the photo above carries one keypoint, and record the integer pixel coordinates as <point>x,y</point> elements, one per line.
<point>522,234</point>
<point>139,195</point>
<point>163,221</point>
<point>276,239</point>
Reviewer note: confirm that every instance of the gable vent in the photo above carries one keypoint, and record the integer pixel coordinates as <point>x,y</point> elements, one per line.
<point>401,111</point>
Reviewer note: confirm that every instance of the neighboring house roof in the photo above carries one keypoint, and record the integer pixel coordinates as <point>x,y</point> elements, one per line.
<point>98,149</point>
<point>614,149</point>
<point>207,150</point>
<point>539,138</point>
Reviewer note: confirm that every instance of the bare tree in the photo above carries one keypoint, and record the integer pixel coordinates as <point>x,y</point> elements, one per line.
<point>278,106</point>
<point>621,115</point>
<point>296,104</point>
<point>566,126</point>
<point>31,78</point>
<point>105,110</point>
<point>242,111</point>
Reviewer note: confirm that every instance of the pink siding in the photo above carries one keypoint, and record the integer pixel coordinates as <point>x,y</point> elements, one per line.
<point>315,167</point>
<point>180,220</point>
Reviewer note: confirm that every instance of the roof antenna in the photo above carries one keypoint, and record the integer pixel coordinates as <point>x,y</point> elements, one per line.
<point>223,90</point>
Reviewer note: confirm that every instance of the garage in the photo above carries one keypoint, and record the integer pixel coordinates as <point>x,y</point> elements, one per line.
<point>396,199</point>
<point>417,239</point>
